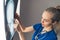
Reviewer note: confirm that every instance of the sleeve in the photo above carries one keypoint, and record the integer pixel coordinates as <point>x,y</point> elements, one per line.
<point>37,26</point>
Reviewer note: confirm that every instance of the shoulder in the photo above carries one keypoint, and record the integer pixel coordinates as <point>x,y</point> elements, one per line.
<point>52,35</point>
<point>36,26</point>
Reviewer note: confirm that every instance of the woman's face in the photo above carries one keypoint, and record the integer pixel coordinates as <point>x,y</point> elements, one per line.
<point>46,19</point>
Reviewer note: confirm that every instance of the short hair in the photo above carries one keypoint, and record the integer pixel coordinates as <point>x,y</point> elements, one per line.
<point>56,13</point>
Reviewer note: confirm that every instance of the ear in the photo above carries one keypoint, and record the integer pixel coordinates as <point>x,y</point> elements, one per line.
<point>54,23</point>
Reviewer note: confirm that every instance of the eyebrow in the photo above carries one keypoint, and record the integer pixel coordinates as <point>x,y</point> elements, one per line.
<point>46,19</point>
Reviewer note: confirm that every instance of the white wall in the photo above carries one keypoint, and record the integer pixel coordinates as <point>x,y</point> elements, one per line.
<point>2,21</point>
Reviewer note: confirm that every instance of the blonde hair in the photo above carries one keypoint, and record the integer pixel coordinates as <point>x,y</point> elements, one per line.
<point>57,28</point>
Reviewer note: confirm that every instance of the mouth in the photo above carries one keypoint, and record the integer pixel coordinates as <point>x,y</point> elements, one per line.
<point>42,25</point>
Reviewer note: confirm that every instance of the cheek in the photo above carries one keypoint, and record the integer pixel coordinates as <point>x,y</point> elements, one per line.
<point>47,24</point>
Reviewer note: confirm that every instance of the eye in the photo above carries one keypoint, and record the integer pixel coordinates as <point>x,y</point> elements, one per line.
<point>46,20</point>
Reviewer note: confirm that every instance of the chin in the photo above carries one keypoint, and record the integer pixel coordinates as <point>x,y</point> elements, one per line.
<point>42,25</point>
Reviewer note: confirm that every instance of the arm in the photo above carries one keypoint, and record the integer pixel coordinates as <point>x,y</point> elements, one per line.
<point>20,33</point>
<point>26,29</point>
<point>23,28</point>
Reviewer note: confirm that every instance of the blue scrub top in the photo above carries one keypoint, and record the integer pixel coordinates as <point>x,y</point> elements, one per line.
<point>51,35</point>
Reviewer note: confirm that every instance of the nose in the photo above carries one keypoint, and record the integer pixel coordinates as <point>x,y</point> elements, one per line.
<point>42,21</point>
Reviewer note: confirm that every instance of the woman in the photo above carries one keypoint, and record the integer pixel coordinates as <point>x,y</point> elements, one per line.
<point>43,30</point>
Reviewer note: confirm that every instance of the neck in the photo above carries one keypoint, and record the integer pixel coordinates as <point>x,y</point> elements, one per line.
<point>47,28</point>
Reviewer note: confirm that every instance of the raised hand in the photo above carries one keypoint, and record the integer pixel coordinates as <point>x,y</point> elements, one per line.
<point>16,25</point>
